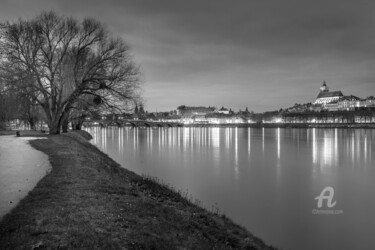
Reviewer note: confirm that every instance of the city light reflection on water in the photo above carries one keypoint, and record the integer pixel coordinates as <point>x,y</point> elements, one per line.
<point>265,179</point>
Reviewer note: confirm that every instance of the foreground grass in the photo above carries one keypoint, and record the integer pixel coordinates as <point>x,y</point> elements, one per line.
<point>88,201</point>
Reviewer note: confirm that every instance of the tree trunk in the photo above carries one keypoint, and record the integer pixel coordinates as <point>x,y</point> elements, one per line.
<point>79,126</point>
<point>77,123</point>
<point>32,124</point>
<point>65,121</point>
<point>65,126</point>
<point>2,125</point>
<point>54,127</point>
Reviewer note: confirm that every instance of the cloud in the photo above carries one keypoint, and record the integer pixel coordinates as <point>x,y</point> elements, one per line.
<point>262,54</point>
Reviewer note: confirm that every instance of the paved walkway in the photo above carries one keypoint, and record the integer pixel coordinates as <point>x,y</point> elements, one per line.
<point>21,167</point>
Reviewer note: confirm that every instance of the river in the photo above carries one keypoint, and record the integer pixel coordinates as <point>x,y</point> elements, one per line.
<point>264,179</point>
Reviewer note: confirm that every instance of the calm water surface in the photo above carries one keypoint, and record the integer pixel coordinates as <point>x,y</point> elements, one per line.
<point>264,179</point>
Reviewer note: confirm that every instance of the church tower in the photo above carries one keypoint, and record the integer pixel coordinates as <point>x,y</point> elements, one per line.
<point>324,87</point>
<point>325,96</point>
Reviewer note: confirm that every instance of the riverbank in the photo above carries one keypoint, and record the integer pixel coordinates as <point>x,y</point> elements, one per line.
<point>88,201</point>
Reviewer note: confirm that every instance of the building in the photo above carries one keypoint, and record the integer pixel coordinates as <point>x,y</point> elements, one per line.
<point>223,111</point>
<point>368,102</point>
<point>332,106</point>
<point>325,96</point>
<point>187,111</point>
<point>315,108</point>
<point>220,118</point>
<point>349,103</point>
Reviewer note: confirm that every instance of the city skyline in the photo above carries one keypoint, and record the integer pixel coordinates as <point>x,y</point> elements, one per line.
<point>260,55</point>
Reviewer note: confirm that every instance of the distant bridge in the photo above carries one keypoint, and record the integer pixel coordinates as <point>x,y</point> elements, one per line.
<point>132,123</point>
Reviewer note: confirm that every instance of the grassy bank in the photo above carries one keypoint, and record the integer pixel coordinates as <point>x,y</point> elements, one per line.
<point>88,201</point>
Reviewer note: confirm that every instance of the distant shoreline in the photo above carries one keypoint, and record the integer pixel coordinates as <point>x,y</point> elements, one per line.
<point>289,125</point>
<point>274,125</point>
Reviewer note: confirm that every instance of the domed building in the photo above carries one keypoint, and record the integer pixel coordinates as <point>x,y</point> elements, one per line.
<point>325,96</point>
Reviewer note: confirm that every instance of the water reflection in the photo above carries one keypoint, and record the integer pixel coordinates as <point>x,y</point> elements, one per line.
<point>327,152</point>
<point>314,147</point>
<point>224,166</point>
<point>263,142</point>
<point>227,137</point>
<point>365,149</point>
<point>327,146</point>
<point>121,141</point>
<point>215,137</point>
<point>278,143</point>
<point>249,142</point>
<point>236,167</point>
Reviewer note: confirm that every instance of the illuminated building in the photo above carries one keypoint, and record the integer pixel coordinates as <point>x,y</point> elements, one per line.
<point>325,96</point>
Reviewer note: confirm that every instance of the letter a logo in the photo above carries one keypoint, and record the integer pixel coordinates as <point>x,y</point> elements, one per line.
<point>324,196</point>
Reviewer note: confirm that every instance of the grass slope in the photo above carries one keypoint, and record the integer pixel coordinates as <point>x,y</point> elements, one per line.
<point>88,201</point>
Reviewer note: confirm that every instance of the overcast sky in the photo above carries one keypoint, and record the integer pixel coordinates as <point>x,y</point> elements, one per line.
<point>260,54</point>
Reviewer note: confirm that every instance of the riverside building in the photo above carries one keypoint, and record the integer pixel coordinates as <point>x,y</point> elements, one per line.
<point>325,96</point>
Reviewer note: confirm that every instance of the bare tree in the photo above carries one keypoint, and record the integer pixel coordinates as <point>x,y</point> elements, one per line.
<point>57,59</point>
<point>8,106</point>
<point>27,110</point>
<point>84,107</point>
<point>4,105</point>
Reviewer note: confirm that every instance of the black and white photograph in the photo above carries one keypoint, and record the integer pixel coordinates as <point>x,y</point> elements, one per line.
<point>171,124</point>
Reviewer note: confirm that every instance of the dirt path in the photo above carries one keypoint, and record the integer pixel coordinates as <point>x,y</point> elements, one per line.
<point>21,167</point>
